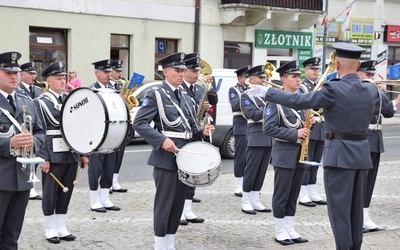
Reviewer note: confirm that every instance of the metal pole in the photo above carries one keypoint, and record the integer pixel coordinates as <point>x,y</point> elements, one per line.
<point>325,36</point>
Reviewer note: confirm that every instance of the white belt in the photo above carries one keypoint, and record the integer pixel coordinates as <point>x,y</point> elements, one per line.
<point>53,132</point>
<point>298,140</point>
<point>251,121</point>
<point>185,135</point>
<point>375,127</point>
<point>319,119</point>
<point>237,113</point>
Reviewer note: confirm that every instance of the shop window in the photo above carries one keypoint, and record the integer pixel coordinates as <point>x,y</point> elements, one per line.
<point>47,46</point>
<point>120,48</point>
<point>163,47</point>
<point>237,54</point>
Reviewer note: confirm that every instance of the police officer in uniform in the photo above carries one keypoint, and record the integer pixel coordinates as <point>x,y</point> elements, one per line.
<point>348,106</point>
<point>285,125</point>
<point>102,165</point>
<point>14,185</point>
<point>308,192</point>
<point>258,145</point>
<point>116,75</point>
<point>59,160</point>
<point>173,115</point>
<point>366,73</point>
<point>27,87</point>
<point>195,92</point>
<point>239,125</point>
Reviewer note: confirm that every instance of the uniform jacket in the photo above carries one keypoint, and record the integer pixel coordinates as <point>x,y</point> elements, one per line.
<point>285,150</point>
<point>37,91</point>
<point>253,109</point>
<point>149,112</point>
<point>12,178</point>
<point>96,85</point>
<point>198,92</point>
<point>318,129</point>
<point>47,152</point>
<point>348,106</point>
<point>239,122</point>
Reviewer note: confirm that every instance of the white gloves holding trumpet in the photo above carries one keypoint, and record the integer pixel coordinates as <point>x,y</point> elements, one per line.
<point>257,90</point>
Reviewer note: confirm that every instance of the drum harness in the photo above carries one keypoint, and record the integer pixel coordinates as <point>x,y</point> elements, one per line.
<point>47,113</point>
<point>187,135</point>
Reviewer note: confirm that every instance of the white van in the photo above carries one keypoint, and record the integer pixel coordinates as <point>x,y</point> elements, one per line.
<point>222,113</point>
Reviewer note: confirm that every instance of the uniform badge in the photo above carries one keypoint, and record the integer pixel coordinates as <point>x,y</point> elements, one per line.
<point>268,111</point>
<point>1,127</point>
<point>247,102</point>
<point>232,95</point>
<point>145,102</point>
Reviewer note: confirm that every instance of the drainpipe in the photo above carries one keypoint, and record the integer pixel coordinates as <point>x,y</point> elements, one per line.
<point>196,26</point>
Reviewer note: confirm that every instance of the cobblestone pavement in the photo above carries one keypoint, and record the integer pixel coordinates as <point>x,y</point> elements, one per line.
<point>226,227</point>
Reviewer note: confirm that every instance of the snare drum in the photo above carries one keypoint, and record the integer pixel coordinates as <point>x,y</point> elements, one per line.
<point>198,163</point>
<point>94,120</point>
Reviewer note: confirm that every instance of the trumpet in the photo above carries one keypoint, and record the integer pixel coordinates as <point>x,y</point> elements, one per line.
<point>28,158</point>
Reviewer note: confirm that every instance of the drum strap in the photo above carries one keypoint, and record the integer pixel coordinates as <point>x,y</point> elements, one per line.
<point>45,110</point>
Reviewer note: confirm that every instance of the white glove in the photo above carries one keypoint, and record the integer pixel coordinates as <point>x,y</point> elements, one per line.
<point>257,90</point>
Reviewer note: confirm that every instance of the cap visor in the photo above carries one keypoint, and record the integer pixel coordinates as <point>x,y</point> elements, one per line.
<point>13,69</point>
<point>179,66</point>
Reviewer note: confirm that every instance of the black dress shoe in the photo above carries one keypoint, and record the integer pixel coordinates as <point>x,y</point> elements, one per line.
<point>183,222</point>
<point>265,210</point>
<point>53,240</point>
<point>365,230</point>
<point>238,194</point>
<point>194,199</point>
<point>69,237</point>
<point>196,220</point>
<point>285,242</point>
<point>376,229</point>
<point>113,208</point>
<point>308,204</point>
<point>121,190</point>
<point>37,197</point>
<point>321,202</point>
<point>99,210</point>
<point>111,191</point>
<point>249,211</point>
<point>300,240</point>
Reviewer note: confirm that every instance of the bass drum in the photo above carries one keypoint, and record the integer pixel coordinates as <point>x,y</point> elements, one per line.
<point>94,120</point>
<point>199,164</point>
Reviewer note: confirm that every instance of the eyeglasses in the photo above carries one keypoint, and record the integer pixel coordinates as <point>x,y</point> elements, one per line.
<point>71,72</point>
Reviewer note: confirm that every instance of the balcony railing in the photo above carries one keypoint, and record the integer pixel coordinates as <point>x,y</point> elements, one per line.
<point>291,4</point>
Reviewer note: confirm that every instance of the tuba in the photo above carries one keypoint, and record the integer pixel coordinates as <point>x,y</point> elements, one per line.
<point>202,80</point>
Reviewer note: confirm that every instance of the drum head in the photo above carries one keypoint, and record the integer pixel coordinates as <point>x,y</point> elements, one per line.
<point>83,119</point>
<point>198,157</point>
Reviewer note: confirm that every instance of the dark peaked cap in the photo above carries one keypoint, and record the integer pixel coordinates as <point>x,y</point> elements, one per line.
<point>28,67</point>
<point>312,62</point>
<point>56,68</point>
<point>174,60</point>
<point>117,65</point>
<point>348,50</point>
<point>192,61</point>
<point>9,61</point>
<point>291,67</point>
<point>368,66</point>
<point>256,71</point>
<point>242,71</point>
<point>103,65</point>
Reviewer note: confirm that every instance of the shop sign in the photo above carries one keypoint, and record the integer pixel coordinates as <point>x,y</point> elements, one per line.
<point>383,56</point>
<point>283,39</point>
<point>391,34</point>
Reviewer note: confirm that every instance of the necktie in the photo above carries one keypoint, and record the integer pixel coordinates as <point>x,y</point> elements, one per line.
<point>60,99</point>
<point>11,101</point>
<point>32,90</point>
<point>191,88</point>
<point>177,95</point>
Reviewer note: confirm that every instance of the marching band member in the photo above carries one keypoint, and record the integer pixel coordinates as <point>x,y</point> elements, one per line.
<point>258,145</point>
<point>102,165</point>
<point>14,185</point>
<point>195,93</point>
<point>175,124</point>
<point>348,106</point>
<point>116,74</point>
<point>366,73</point>
<point>28,88</point>
<point>239,125</point>
<point>285,125</point>
<point>308,191</point>
<point>59,160</point>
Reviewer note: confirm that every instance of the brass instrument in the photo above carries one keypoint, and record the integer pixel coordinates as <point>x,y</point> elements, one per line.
<point>43,85</point>
<point>390,82</point>
<point>127,94</point>
<point>202,80</point>
<point>310,113</point>
<point>28,158</point>
<point>270,72</point>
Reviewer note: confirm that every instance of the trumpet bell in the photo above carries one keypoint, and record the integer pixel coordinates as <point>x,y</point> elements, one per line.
<point>33,177</point>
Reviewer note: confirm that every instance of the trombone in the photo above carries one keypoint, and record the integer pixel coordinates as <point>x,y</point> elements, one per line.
<point>390,83</point>
<point>28,158</point>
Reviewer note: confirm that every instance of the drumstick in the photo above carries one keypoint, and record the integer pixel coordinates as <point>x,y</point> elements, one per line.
<point>78,175</point>
<point>191,152</point>
<point>209,131</point>
<point>64,188</point>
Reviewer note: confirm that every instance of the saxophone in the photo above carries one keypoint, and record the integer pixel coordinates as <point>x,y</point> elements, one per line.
<point>202,81</point>
<point>310,113</point>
